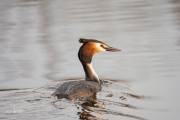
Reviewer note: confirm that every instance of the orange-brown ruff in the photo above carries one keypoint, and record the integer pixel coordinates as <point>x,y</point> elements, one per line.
<point>91,85</point>
<point>91,49</point>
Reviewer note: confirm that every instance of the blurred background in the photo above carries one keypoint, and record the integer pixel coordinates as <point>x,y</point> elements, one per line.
<point>39,45</point>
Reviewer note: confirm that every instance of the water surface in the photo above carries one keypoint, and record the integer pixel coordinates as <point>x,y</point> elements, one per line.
<point>38,52</point>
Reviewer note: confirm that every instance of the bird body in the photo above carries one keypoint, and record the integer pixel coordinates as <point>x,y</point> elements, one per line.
<point>92,84</point>
<point>77,89</point>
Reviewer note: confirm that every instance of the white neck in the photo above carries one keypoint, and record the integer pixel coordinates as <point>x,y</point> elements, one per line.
<point>90,73</point>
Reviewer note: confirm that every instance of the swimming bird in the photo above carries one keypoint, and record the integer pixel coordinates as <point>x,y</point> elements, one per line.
<point>91,84</point>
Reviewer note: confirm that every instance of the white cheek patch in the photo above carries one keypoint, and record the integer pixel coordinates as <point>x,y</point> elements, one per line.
<point>99,48</point>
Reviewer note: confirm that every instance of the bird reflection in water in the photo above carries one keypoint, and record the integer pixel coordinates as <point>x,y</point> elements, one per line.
<point>93,108</point>
<point>89,106</point>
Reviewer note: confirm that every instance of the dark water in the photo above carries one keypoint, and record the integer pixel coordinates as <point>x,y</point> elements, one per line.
<point>38,51</point>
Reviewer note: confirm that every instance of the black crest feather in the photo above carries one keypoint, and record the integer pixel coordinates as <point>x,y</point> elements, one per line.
<point>84,40</point>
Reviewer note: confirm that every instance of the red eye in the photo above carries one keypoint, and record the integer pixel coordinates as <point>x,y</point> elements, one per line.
<point>101,45</point>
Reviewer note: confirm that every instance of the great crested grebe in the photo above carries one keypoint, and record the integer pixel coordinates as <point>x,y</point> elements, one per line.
<point>92,84</point>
